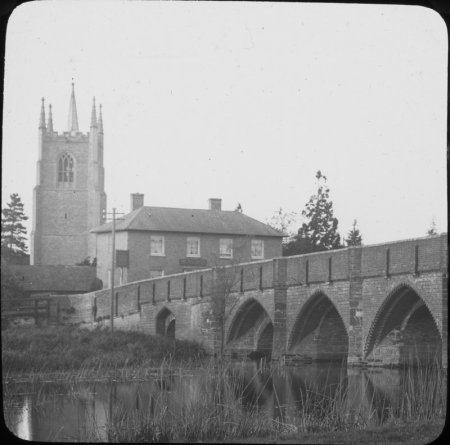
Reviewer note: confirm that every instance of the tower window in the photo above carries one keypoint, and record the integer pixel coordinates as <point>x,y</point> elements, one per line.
<point>65,168</point>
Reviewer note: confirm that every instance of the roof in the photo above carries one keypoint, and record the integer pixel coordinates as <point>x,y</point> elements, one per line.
<point>168,219</point>
<point>55,278</point>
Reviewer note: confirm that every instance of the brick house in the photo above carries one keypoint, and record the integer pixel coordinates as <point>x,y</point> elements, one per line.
<point>155,241</point>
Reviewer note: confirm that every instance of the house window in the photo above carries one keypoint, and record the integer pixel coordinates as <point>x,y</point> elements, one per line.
<point>156,273</point>
<point>193,247</point>
<point>157,245</point>
<point>257,249</point>
<point>65,168</point>
<point>226,248</point>
<point>121,276</point>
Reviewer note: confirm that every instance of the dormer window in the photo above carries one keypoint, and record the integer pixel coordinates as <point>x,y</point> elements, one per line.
<point>65,168</point>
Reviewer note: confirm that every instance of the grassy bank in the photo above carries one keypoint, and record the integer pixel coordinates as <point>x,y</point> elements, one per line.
<point>407,433</point>
<point>38,351</point>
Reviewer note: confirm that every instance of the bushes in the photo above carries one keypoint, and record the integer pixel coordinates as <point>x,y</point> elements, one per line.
<point>65,348</point>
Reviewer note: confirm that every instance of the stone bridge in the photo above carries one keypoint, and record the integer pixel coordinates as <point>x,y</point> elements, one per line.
<point>377,305</point>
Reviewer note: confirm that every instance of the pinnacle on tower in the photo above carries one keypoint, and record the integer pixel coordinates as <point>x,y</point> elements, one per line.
<point>93,114</point>
<point>50,119</point>
<point>100,120</point>
<point>42,117</point>
<point>72,123</point>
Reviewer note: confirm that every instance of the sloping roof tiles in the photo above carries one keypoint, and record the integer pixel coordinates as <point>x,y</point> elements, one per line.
<point>167,219</point>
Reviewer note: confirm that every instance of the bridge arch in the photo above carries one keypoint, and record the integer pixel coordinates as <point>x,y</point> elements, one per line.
<point>165,323</point>
<point>250,330</point>
<point>319,332</point>
<point>404,330</point>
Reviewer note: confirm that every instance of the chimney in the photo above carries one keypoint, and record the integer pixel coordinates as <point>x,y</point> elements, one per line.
<point>215,204</point>
<point>137,201</point>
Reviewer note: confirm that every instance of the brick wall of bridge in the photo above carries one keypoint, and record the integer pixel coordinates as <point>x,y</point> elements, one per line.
<point>356,280</point>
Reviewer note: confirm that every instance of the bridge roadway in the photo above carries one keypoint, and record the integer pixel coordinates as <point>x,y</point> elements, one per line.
<point>374,305</point>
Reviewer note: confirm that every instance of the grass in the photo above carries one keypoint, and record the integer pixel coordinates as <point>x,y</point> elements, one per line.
<point>224,402</point>
<point>219,413</point>
<point>83,353</point>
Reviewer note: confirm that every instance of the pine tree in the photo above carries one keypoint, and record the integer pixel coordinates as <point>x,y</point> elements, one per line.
<point>319,232</point>
<point>354,237</point>
<point>13,231</point>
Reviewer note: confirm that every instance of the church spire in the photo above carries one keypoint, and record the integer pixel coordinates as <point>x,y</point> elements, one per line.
<point>100,121</point>
<point>93,114</point>
<point>42,117</point>
<point>50,119</point>
<point>72,123</point>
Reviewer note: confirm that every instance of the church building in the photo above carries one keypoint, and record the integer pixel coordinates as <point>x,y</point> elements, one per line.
<point>69,198</point>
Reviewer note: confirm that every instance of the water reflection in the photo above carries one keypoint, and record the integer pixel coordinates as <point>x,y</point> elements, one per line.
<point>83,412</point>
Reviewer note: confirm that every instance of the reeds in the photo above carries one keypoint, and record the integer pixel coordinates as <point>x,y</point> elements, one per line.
<point>220,412</point>
<point>236,401</point>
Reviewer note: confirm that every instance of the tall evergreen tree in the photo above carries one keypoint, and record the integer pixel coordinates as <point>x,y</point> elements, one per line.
<point>319,232</point>
<point>354,237</point>
<point>13,231</point>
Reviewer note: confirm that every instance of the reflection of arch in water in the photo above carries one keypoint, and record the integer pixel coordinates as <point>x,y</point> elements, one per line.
<point>317,386</point>
<point>319,331</point>
<point>165,323</point>
<point>404,330</point>
<point>253,387</point>
<point>251,330</point>
<point>383,402</point>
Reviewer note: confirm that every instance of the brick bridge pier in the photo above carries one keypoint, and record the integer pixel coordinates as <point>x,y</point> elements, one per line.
<point>379,305</point>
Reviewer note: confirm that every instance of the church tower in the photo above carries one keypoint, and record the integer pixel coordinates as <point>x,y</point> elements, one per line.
<point>69,198</point>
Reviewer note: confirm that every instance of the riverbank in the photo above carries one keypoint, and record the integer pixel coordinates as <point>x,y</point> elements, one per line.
<point>407,433</point>
<point>70,352</point>
<point>150,389</point>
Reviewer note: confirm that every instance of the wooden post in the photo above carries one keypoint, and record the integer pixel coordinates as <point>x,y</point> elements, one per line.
<point>36,312</point>
<point>416,260</point>
<point>113,266</point>
<point>388,260</point>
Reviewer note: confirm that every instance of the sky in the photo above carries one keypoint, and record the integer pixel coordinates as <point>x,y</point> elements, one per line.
<point>244,102</point>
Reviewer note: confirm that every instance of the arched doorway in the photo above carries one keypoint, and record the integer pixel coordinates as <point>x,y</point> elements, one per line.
<point>404,331</point>
<point>251,331</point>
<point>319,333</point>
<point>165,323</point>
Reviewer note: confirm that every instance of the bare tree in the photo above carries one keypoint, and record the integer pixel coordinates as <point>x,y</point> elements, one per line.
<point>224,298</point>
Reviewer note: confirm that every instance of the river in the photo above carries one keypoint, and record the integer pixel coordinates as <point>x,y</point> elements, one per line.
<point>82,411</point>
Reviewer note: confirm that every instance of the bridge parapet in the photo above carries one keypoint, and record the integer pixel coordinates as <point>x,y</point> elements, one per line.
<point>408,256</point>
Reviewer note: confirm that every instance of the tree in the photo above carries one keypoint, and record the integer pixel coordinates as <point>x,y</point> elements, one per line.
<point>87,262</point>
<point>354,237</point>
<point>223,299</point>
<point>319,232</point>
<point>432,230</point>
<point>13,231</point>
<point>283,221</point>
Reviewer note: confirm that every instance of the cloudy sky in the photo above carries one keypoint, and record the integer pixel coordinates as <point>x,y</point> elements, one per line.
<point>243,102</point>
